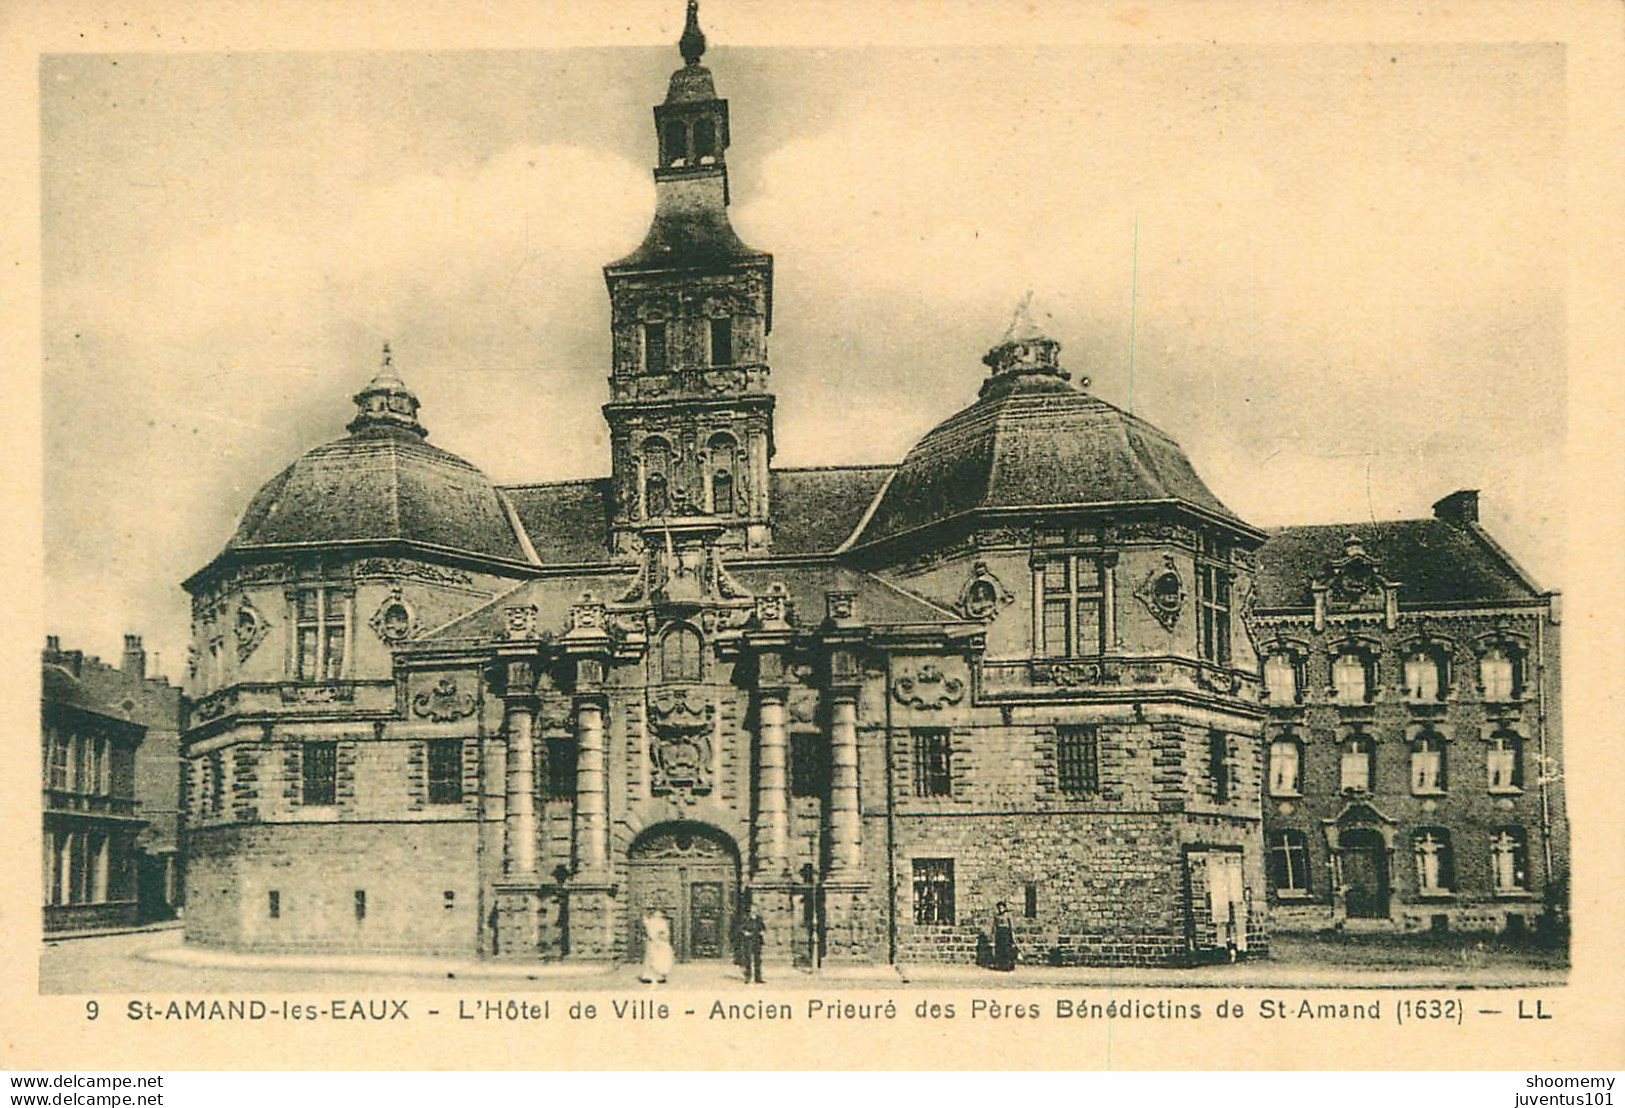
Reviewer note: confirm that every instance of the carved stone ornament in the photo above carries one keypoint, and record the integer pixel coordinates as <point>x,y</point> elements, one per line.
<point>1219,680</point>
<point>983,595</point>
<point>1355,575</point>
<point>773,606</point>
<point>1071,675</point>
<point>1163,593</point>
<point>249,627</point>
<point>520,621</point>
<point>373,568</point>
<point>587,614</point>
<point>443,703</point>
<point>394,620</point>
<point>680,746</point>
<point>927,688</point>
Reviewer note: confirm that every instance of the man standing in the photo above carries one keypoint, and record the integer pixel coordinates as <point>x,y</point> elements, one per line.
<point>752,932</point>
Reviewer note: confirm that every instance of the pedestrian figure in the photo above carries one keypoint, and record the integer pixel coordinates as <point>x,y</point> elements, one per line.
<point>753,932</point>
<point>657,952</point>
<point>1004,938</point>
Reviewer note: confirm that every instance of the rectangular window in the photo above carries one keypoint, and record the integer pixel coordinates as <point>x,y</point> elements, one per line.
<point>1213,610</point>
<point>217,783</point>
<point>809,764</point>
<point>1070,609</point>
<point>1220,766</point>
<point>1030,909</point>
<point>273,905</point>
<point>321,615</point>
<point>1077,760</point>
<point>1427,764</point>
<point>445,771</point>
<point>1435,870</point>
<point>561,768</point>
<point>933,763</point>
<point>1422,678</point>
<point>1289,861</point>
<point>1509,860</point>
<point>360,905</point>
<point>1506,773</point>
<point>1498,673</point>
<point>1355,765</point>
<point>933,890</point>
<point>722,341</point>
<point>1351,678</point>
<point>654,348</point>
<point>59,760</point>
<point>320,771</point>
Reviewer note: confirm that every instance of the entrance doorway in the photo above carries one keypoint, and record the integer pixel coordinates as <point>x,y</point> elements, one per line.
<point>689,873</point>
<point>1365,874</point>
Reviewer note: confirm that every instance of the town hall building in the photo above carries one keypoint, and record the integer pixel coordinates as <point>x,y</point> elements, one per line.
<point>1021,666</point>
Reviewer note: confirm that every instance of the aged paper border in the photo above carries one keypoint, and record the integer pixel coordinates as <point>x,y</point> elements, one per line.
<point>1589,1031</point>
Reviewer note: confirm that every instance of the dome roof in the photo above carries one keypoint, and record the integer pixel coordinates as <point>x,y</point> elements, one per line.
<point>1034,440</point>
<point>383,483</point>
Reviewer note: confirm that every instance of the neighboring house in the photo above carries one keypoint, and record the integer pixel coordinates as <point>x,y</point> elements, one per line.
<point>435,715</point>
<point>111,776</point>
<point>1411,676</point>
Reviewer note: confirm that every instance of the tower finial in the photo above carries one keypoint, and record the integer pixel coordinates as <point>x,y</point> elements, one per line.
<point>386,402</point>
<point>692,44</point>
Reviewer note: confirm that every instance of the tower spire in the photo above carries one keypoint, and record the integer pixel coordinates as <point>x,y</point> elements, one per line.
<point>692,44</point>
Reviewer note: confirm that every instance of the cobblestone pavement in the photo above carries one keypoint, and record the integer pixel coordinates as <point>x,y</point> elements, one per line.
<point>159,962</point>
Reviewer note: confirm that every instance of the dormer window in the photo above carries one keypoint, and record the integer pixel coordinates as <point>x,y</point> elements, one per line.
<point>1500,674</point>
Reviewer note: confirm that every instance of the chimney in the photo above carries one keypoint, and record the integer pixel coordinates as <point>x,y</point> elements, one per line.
<point>135,658</point>
<point>53,647</point>
<point>1459,508</point>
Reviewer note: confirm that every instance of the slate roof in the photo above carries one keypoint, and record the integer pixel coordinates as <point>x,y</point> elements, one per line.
<point>816,510</point>
<point>1434,561</point>
<point>381,484</point>
<point>1037,443</point>
<point>567,521</point>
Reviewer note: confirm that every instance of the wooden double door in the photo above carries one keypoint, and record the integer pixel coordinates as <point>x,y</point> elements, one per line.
<point>1365,874</point>
<point>691,876</point>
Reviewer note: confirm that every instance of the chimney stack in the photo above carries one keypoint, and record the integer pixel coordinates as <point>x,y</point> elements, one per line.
<point>53,647</point>
<point>135,658</point>
<point>1459,508</point>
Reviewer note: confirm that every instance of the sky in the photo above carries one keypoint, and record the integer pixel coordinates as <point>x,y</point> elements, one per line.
<point>1344,266</point>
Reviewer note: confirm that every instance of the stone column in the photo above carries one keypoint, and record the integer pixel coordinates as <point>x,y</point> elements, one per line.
<point>772,785</point>
<point>845,819</point>
<point>519,729</point>
<point>591,808</point>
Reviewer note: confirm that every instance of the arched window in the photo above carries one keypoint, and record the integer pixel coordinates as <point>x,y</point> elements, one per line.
<point>656,478</point>
<point>1501,674</point>
<point>1355,764</point>
<point>1425,678</point>
<point>1435,865</point>
<point>722,492</point>
<point>680,654</point>
<point>676,143</point>
<point>1281,678</point>
<point>1506,762</point>
<point>1351,677</point>
<point>1427,763</point>
<point>657,495</point>
<point>1509,860</point>
<point>1286,767</point>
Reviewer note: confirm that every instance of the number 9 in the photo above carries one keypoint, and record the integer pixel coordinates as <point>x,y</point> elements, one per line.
<point>92,1009</point>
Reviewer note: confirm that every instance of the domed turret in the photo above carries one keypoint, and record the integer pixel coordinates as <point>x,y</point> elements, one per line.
<point>382,484</point>
<point>1035,440</point>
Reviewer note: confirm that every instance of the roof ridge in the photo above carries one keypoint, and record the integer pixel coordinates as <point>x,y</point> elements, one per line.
<point>842,467</point>
<point>553,484</point>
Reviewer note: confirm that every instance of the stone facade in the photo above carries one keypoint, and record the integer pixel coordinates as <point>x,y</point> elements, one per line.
<point>870,704</point>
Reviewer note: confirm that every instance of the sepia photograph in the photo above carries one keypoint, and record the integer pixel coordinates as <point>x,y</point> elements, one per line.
<point>777,524</point>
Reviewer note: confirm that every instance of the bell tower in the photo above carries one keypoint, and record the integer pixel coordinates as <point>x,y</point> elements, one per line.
<point>690,415</point>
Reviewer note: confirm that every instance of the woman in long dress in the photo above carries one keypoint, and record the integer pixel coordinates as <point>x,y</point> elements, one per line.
<point>657,952</point>
<point>1004,939</point>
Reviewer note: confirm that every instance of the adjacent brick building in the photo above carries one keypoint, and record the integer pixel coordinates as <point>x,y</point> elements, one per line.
<point>110,742</point>
<point>435,715</point>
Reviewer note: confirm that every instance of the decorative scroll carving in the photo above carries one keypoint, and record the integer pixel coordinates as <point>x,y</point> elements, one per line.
<point>213,707</point>
<point>1004,536</point>
<point>1069,675</point>
<point>317,694</point>
<point>681,748</point>
<point>394,620</point>
<point>983,595</point>
<point>773,606</point>
<point>249,627</point>
<point>1163,593</point>
<point>520,621</point>
<point>372,568</point>
<point>927,688</point>
<point>1218,680</point>
<point>1151,530</point>
<point>443,703</point>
